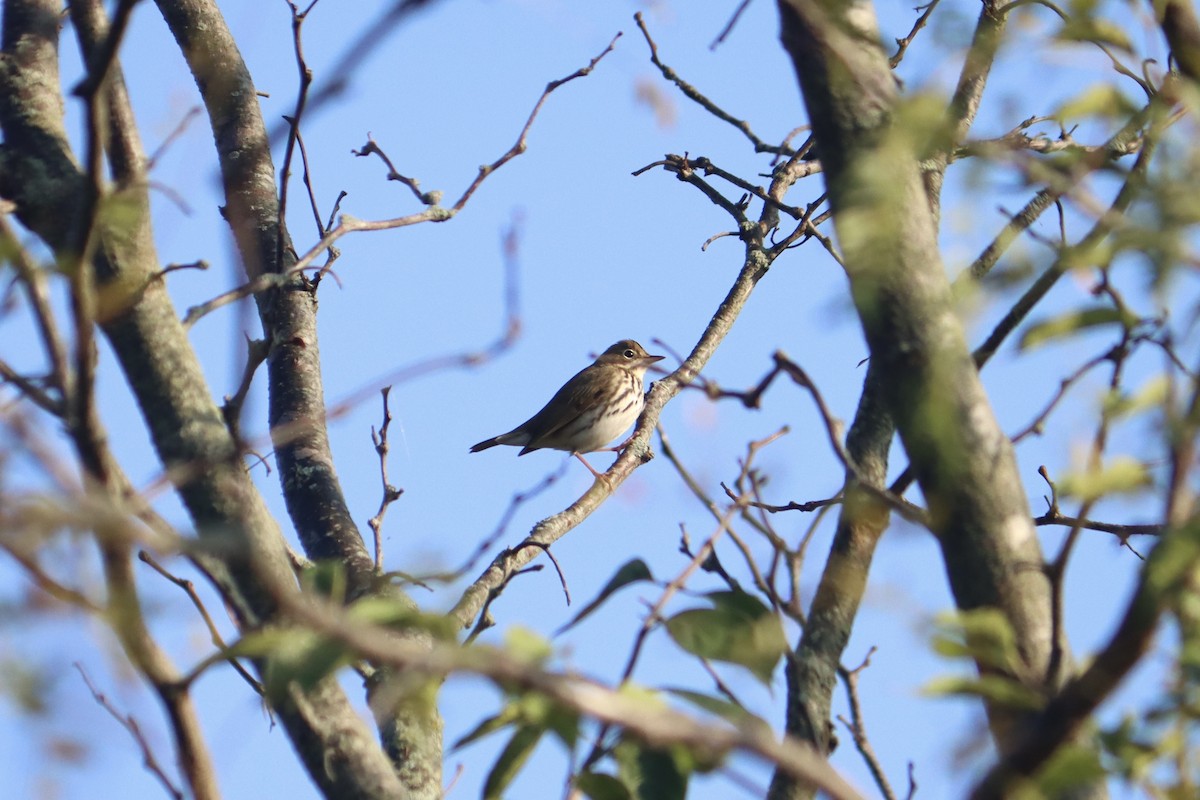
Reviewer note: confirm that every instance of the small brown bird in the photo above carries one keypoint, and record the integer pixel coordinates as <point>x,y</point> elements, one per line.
<point>590,410</point>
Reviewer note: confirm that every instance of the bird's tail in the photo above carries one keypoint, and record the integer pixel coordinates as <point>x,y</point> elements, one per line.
<point>517,437</point>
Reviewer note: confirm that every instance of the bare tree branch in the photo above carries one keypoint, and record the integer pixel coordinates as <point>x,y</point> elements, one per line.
<point>130,724</point>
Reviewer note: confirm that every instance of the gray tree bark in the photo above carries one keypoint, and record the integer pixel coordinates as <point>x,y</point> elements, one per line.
<point>926,378</point>
<point>58,199</point>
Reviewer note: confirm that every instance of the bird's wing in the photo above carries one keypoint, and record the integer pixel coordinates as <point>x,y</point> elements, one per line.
<point>562,410</point>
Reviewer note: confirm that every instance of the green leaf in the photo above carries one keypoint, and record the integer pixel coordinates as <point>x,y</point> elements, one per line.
<point>293,655</point>
<point>739,602</point>
<point>538,710</point>
<point>507,716</point>
<point>662,779</point>
<point>994,688</point>
<point>327,579</point>
<point>532,710</point>
<point>632,571</point>
<point>599,786</point>
<point>400,613</point>
<point>982,634</point>
<point>527,645</point>
<point>1091,29</point>
<point>739,629</point>
<point>653,774</point>
<point>643,695</point>
<point>1134,755</point>
<point>1101,100</point>
<point>302,658</point>
<point>1121,475</point>
<point>511,759</point>
<point>719,706</point>
<point>1069,768</point>
<point>1152,394</point>
<point>263,642</point>
<point>1073,322</point>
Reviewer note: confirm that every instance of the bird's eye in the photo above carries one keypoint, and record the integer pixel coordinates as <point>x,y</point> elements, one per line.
<point>628,354</point>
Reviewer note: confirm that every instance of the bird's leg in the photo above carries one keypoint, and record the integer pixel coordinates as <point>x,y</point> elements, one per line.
<point>619,447</point>
<point>591,469</point>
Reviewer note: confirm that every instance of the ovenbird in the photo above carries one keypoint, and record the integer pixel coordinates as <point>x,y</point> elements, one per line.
<point>590,410</point>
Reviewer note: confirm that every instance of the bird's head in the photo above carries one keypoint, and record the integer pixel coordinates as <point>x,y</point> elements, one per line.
<point>628,354</point>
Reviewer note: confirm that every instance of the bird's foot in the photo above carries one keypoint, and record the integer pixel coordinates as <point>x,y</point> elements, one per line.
<point>621,447</point>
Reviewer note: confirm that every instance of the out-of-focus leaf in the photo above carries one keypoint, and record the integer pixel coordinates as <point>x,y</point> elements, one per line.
<point>652,774</point>
<point>326,578</point>
<point>400,613</point>
<point>507,716</point>
<point>739,629</point>
<point>509,763</point>
<point>529,710</point>
<point>662,779</point>
<point>67,750</point>
<point>1152,394</point>
<point>1092,29</point>
<point>642,695</point>
<point>265,641</point>
<point>26,685</point>
<point>599,786</point>
<point>632,571</point>
<point>1073,322</point>
<point>1069,768</point>
<point>718,706</point>
<point>304,658</point>
<point>995,688</point>
<point>983,634</point>
<point>564,724</point>
<point>1134,755</point>
<point>527,645</point>
<point>921,126</point>
<point>1121,475</point>
<point>1101,100</point>
<point>538,710</point>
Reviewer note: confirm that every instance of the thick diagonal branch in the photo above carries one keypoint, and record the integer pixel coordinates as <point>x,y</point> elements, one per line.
<point>314,496</point>
<point>323,725</point>
<point>960,456</point>
<point>39,174</point>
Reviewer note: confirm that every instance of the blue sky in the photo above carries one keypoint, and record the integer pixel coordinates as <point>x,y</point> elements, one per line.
<point>602,256</point>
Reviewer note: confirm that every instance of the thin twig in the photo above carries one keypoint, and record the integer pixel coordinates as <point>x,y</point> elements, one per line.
<point>777,544</point>
<point>654,616</point>
<point>562,579</point>
<point>390,493</point>
<point>175,133</point>
<point>33,279</point>
<point>514,504</point>
<point>214,634</point>
<point>30,389</point>
<point>902,44</point>
<point>737,14</point>
<point>692,93</point>
<point>1121,531</point>
<point>285,173</point>
<point>130,724</point>
<point>348,224</point>
<point>656,725</point>
<point>257,351</point>
<point>49,585</point>
<point>858,728</point>
<point>372,148</point>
